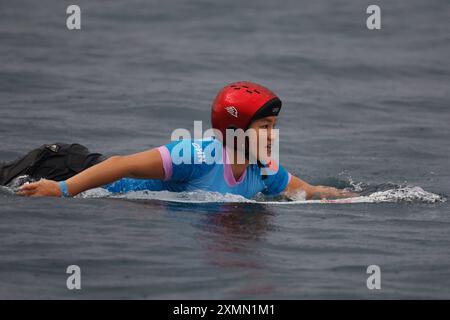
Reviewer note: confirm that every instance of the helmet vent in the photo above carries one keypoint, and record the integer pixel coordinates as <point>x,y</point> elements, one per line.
<point>237,88</point>
<point>256,91</point>
<point>248,91</point>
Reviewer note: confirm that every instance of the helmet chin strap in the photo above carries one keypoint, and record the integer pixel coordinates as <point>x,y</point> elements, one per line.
<point>247,155</point>
<point>247,145</point>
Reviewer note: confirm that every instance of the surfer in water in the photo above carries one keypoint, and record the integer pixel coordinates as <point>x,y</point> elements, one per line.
<point>185,165</point>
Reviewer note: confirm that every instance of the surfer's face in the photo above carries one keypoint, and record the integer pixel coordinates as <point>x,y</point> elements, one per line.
<point>266,136</point>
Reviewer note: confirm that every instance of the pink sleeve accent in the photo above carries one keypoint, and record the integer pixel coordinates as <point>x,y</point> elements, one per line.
<point>167,162</point>
<point>289,179</point>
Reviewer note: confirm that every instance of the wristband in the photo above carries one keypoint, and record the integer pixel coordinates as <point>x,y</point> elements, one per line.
<point>63,188</point>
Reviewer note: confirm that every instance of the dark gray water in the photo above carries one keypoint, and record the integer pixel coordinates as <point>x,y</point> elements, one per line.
<point>369,107</point>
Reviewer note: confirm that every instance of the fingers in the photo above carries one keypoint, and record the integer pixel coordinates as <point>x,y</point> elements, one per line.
<point>29,186</point>
<point>28,189</point>
<point>351,194</point>
<point>25,192</point>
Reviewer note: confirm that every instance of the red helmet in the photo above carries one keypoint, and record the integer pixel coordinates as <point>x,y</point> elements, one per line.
<point>239,103</point>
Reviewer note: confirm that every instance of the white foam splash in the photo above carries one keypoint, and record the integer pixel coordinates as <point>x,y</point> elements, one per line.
<point>94,193</point>
<point>404,194</point>
<point>185,197</point>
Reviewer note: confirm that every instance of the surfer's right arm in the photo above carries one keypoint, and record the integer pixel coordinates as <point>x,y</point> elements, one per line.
<point>143,165</point>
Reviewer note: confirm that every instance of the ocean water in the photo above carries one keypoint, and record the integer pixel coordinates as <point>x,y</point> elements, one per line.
<point>362,109</point>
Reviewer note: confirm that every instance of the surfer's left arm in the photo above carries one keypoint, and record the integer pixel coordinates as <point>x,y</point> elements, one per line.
<point>296,186</point>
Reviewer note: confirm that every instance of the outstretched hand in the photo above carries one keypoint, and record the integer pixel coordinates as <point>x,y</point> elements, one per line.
<point>41,188</point>
<point>347,194</point>
<point>324,192</point>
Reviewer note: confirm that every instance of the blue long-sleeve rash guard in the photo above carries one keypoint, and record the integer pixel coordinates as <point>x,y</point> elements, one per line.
<point>191,165</point>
